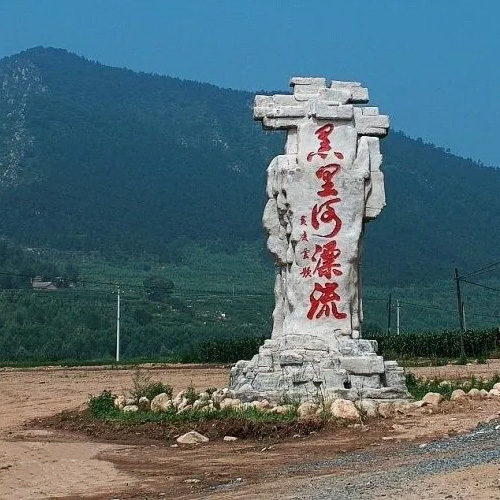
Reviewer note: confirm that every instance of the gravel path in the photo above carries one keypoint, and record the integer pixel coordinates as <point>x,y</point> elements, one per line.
<point>380,474</point>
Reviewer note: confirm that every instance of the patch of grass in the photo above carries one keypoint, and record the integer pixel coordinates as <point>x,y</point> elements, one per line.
<point>102,411</point>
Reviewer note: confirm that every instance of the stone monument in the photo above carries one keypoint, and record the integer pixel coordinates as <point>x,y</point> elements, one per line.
<point>320,194</point>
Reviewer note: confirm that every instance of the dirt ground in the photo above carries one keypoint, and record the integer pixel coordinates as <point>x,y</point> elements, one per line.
<point>46,463</point>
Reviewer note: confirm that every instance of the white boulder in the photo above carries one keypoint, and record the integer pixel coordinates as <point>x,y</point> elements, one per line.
<point>345,409</point>
<point>192,437</point>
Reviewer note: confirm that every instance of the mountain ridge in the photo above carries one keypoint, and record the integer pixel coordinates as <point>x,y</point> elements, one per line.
<point>101,158</point>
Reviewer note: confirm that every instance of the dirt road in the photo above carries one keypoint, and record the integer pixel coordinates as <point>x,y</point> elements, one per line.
<point>393,458</point>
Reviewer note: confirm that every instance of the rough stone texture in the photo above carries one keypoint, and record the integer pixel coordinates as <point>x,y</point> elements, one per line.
<point>432,398</point>
<point>119,402</point>
<point>192,437</point>
<point>130,408</point>
<point>475,393</point>
<point>307,408</point>
<point>342,408</point>
<point>321,192</point>
<point>161,402</point>
<point>458,394</point>
<point>144,404</point>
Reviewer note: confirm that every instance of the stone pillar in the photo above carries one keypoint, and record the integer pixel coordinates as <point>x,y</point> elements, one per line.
<point>320,194</point>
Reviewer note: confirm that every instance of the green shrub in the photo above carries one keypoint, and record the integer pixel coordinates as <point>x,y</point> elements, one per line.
<point>144,385</point>
<point>103,405</point>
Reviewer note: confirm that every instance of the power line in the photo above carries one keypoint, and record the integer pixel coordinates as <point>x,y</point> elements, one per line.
<point>481,285</point>
<point>481,270</point>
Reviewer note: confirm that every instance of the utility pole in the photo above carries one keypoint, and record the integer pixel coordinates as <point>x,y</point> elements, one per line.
<point>460,313</point>
<point>118,326</point>
<point>397,316</point>
<point>389,307</point>
<point>463,315</point>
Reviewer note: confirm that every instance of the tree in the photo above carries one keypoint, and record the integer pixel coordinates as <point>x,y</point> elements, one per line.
<point>157,288</point>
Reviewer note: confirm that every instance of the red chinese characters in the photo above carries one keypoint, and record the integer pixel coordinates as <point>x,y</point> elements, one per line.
<point>323,302</point>
<point>324,298</point>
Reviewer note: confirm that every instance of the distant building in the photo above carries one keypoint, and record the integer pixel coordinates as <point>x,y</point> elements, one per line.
<point>38,284</point>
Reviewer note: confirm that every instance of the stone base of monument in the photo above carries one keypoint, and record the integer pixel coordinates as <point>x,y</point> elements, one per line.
<point>313,372</point>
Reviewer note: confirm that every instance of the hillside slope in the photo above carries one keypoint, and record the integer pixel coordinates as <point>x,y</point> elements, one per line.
<point>100,158</point>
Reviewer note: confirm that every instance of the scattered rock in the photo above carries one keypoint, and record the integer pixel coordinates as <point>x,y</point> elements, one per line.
<point>230,438</point>
<point>192,481</point>
<point>484,393</point>
<point>182,404</point>
<point>496,386</point>
<point>307,408</point>
<point>185,409</point>
<point>475,393</point>
<point>343,408</point>
<point>386,410</point>
<point>144,404</point>
<point>130,408</point>
<point>162,402</point>
<point>200,403</point>
<point>178,399</point>
<point>281,409</point>
<point>229,403</point>
<point>368,407</point>
<point>210,407</point>
<point>494,393</point>
<point>129,401</point>
<point>262,405</point>
<point>119,402</point>
<point>458,394</point>
<point>192,437</point>
<point>433,398</point>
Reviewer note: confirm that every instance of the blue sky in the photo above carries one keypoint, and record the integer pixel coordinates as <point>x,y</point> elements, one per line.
<point>432,65</point>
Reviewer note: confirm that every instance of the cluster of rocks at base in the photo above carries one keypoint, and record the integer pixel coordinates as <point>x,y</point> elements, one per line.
<point>338,408</point>
<point>305,366</point>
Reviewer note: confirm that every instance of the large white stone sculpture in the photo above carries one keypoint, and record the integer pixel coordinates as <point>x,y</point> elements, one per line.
<point>321,192</point>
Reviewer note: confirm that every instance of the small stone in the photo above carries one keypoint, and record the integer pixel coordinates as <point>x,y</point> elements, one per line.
<point>475,393</point>
<point>484,393</point>
<point>386,410</point>
<point>174,446</point>
<point>185,409</point>
<point>161,402</point>
<point>230,438</point>
<point>281,409</point>
<point>119,402</point>
<point>261,405</point>
<point>130,408</point>
<point>432,398</point>
<point>129,401</point>
<point>368,407</point>
<point>307,408</point>
<point>345,409</point>
<point>144,404</point>
<point>229,403</point>
<point>200,403</point>
<point>192,481</point>
<point>494,393</point>
<point>496,386</point>
<point>458,394</point>
<point>192,437</point>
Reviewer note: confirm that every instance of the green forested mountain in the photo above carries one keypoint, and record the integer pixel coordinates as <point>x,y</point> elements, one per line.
<point>100,158</point>
<point>132,178</point>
